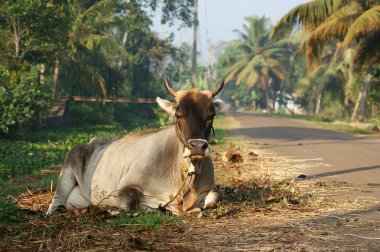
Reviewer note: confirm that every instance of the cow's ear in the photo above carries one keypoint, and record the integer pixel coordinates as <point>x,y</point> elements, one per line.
<point>218,105</point>
<point>168,106</point>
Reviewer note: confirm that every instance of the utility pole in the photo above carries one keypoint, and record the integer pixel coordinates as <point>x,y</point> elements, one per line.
<point>208,75</point>
<point>194,55</point>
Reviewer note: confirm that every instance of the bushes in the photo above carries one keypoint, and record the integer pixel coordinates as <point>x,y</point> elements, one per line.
<point>21,101</point>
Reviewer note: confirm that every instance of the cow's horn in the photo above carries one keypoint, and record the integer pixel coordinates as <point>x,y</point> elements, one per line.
<point>218,88</point>
<point>169,88</point>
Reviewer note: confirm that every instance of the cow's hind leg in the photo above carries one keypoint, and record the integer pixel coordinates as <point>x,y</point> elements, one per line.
<point>75,161</point>
<point>76,200</point>
<point>66,183</point>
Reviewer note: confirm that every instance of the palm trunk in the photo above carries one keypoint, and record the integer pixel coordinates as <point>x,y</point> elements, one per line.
<point>345,105</point>
<point>347,91</point>
<point>360,102</point>
<point>57,65</point>
<point>266,81</point>
<point>16,35</point>
<point>17,46</point>
<point>367,84</point>
<point>267,100</point>
<point>318,105</point>
<point>353,116</point>
<point>194,56</point>
<point>123,43</point>
<point>373,110</point>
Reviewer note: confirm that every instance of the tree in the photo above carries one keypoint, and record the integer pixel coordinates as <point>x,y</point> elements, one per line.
<point>85,47</point>
<point>30,33</point>
<point>258,61</point>
<point>354,22</point>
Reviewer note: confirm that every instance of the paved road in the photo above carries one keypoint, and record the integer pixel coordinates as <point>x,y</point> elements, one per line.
<point>355,160</point>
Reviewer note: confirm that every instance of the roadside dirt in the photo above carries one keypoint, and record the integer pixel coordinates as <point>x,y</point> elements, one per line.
<point>325,217</point>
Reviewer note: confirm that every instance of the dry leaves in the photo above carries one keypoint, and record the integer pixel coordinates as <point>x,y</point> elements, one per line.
<point>233,155</point>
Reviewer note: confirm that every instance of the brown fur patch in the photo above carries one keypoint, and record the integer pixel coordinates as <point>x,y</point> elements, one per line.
<point>195,94</point>
<point>208,93</point>
<point>195,112</point>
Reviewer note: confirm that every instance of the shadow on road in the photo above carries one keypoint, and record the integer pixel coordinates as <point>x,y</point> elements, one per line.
<point>273,146</point>
<point>333,173</point>
<point>292,133</point>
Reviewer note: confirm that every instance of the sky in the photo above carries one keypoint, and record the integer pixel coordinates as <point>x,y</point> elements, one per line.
<point>218,19</point>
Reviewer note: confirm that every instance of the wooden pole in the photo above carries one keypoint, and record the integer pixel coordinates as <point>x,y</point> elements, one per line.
<point>194,55</point>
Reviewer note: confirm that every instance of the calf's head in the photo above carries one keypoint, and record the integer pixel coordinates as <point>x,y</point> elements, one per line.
<point>194,112</point>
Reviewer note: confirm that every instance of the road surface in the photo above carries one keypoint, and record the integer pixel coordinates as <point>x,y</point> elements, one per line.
<point>351,159</point>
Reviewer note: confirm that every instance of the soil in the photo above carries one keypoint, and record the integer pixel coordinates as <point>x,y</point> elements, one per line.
<point>289,187</point>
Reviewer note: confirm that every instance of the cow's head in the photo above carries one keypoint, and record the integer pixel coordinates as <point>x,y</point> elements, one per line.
<point>194,112</point>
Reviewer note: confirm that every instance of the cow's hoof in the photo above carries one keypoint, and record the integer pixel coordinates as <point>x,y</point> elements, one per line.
<point>56,210</point>
<point>211,200</point>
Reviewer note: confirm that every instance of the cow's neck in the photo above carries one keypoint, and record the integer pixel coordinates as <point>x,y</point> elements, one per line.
<point>187,186</point>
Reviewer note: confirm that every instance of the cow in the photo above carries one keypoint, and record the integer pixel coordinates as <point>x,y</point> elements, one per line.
<point>168,169</point>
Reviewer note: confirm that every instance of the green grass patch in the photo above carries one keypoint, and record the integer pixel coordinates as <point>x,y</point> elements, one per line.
<point>31,152</point>
<point>15,187</point>
<point>9,213</point>
<point>141,220</point>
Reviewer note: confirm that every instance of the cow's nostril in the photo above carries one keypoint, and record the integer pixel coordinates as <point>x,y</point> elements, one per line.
<point>205,145</point>
<point>198,144</point>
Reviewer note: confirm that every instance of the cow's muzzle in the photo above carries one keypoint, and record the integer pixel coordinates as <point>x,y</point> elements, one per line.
<point>198,148</point>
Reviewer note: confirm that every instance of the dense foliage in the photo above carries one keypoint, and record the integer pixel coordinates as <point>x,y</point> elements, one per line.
<point>338,77</point>
<point>342,50</point>
<point>22,102</point>
<point>84,47</point>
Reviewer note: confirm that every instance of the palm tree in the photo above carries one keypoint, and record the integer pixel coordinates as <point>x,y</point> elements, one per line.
<point>258,60</point>
<point>90,32</point>
<point>354,22</point>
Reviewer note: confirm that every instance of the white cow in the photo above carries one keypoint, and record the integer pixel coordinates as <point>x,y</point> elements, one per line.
<point>166,168</point>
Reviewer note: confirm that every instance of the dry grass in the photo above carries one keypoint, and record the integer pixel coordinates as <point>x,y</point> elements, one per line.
<point>37,201</point>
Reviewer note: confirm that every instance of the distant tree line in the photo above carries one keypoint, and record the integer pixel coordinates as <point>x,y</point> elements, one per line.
<point>324,52</point>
